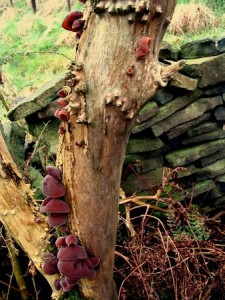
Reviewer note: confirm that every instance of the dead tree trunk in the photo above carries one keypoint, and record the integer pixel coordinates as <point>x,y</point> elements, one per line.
<point>34,6</point>
<point>108,84</point>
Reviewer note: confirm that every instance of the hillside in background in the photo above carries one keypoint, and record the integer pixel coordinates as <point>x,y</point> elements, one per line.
<point>34,47</point>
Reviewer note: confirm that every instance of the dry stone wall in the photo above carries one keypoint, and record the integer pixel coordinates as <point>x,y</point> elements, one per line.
<point>181,126</point>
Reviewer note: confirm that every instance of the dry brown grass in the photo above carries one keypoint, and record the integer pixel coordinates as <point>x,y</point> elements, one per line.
<point>191,18</point>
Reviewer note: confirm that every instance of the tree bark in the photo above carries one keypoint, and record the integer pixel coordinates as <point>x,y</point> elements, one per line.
<point>104,103</point>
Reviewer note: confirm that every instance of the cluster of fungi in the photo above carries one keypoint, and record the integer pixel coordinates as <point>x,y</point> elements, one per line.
<point>74,102</point>
<point>71,260</point>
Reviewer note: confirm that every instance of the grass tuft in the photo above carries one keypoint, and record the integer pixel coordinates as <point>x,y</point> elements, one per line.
<point>192,18</point>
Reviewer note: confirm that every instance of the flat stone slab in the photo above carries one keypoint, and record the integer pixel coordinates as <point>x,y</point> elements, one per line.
<point>204,161</point>
<point>203,128</point>
<point>186,156</point>
<point>134,183</point>
<point>147,112</point>
<point>144,165</point>
<point>211,171</point>
<point>209,70</point>
<point>170,108</point>
<point>163,96</point>
<point>38,100</point>
<point>219,113</point>
<point>209,136</point>
<point>166,51</point>
<point>198,189</point>
<point>192,111</point>
<point>201,48</point>
<point>218,191</point>
<point>215,90</point>
<point>138,145</point>
<point>181,81</point>
<point>182,128</point>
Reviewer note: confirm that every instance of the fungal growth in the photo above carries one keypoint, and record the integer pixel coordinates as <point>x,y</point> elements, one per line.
<point>143,47</point>
<point>72,262</point>
<point>72,99</point>
<point>53,205</point>
<point>73,22</point>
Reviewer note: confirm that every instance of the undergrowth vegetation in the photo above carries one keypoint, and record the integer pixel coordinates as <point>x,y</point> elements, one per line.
<point>171,255</point>
<point>33,47</point>
<point>193,20</point>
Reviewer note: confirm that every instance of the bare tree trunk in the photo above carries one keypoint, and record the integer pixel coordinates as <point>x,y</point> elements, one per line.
<point>34,7</point>
<point>11,3</point>
<point>111,86</point>
<point>68,5</point>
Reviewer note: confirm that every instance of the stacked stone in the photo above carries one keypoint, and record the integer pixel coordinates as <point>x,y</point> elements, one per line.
<point>183,126</point>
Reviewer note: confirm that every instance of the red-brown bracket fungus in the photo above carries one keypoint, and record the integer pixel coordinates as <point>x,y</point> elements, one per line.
<point>70,18</point>
<point>65,286</point>
<point>54,206</point>
<point>71,240</point>
<point>57,219</point>
<point>73,261</point>
<point>64,115</point>
<point>62,102</point>
<point>54,172</point>
<point>130,70</point>
<point>78,34</point>
<point>71,252</point>
<point>53,187</point>
<point>61,93</point>
<point>143,47</point>
<point>78,25</point>
<point>57,285</point>
<point>50,264</point>
<point>61,242</point>
<point>56,114</point>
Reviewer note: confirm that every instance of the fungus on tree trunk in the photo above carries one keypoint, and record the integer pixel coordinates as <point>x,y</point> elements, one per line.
<point>115,73</point>
<point>52,187</point>
<point>70,18</point>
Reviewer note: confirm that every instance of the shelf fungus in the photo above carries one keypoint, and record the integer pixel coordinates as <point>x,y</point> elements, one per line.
<point>53,187</point>
<point>72,262</point>
<point>50,264</point>
<point>74,23</point>
<point>143,47</point>
<point>56,208</point>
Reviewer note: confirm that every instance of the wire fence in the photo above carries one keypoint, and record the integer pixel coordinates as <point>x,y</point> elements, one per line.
<point>218,6</point>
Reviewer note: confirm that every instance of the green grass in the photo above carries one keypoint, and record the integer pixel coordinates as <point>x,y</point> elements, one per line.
<point>24,35</point>
<point>21,45</point>
<point>218,6</point>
